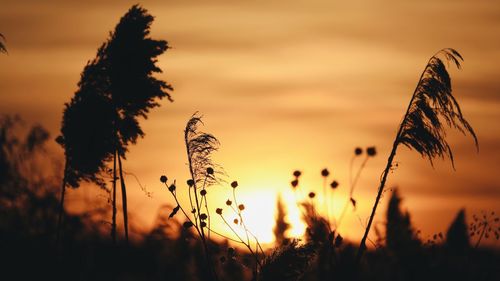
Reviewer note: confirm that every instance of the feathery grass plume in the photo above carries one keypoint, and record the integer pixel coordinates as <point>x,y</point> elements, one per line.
<point>131,60</point>
<point>288,262</point>
<point>2,45</point>
<point>200,146</point>
<point>116,89</point>
<point>422,128</point>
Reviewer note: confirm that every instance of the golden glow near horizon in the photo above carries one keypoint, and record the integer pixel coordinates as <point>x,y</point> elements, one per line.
<point>284,85</point>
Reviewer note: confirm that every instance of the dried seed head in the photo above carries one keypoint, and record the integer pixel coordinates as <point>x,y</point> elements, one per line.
<point>297,173</point>
<point>190,182</point>
<point>229,202</point>
<point>241,207</point>
<point>218,211</point>
<point>210,171</point>
<point>203,224</point>
<point>203,216</point>
<point>187,224</point>
<point>334,184</point>
<point>294,183</point>
<point>235,221</point>
<point>163,179</point>
<point>312,195</point>
<point>203,192</point>
<point>358,151</point>
<point>325,173</point>
<point>171,188</point>
<point>371,151</point>
<point>234,184</point>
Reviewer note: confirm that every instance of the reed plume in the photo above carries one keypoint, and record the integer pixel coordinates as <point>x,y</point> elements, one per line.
<point>422,129</point>
<point>200,146</point>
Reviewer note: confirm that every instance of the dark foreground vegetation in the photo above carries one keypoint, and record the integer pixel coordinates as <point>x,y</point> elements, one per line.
<point>29,197</point>
<point>40,240</point>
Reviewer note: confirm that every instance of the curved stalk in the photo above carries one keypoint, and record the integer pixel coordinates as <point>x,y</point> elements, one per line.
<point>124,198</point>
<point>362,245</point>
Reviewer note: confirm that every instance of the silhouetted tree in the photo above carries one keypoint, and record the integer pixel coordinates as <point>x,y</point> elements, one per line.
<point>457,236</point>
<point>422,126</point>
<point>27,202</point>
<point>281,225</point>
<point>400,235</point>
<point>17,156</point>
<point>116,89</point>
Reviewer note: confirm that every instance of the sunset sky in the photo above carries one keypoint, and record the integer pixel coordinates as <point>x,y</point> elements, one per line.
<point>283,85</point>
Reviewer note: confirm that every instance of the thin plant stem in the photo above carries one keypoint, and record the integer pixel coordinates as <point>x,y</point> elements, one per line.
<point>243,241</point>
<point>238,212</point>
<point>326,204</point>
<point>351,190</point>
<point>201,231</point>
<point>482,234</point>
<point>206,207</point>
<point>226,237</point>
<point>113,199</point>
<point>362,245</point>
<point>124,198</point>
<point>174,194</point>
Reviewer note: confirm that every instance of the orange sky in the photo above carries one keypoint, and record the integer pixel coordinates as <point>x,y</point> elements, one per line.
<point>284,85</point>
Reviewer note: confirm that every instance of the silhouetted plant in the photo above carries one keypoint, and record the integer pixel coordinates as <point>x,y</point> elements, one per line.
<point>205,173</point>
<point>199,148</point>
<point>422,127</point>
<point>87,133</point>
<point>244,235</point>
<point>120,81</point>
<point>484,226</point>
<point>281,225</point>
<point>2,45</point>
<point>130,56</point>
<point>287,262</point>
<point>321,232</point>
<point>370,152</point>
